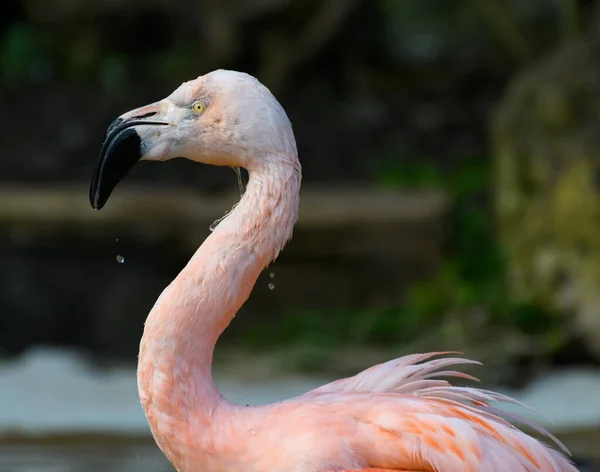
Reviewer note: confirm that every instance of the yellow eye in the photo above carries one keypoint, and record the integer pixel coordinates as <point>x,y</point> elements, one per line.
<point>198,107</point>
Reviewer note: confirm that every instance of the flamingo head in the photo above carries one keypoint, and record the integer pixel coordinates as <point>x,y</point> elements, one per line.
<point>223,118</point>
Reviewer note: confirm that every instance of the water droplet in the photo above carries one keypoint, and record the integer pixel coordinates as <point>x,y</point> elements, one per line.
<point>120,259</point>
<point>216,223</point>
<point>272,275</point>
<point>271,286</point>
<point>117,239</point>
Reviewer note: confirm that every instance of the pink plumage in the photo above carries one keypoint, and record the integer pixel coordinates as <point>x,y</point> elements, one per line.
<point>399,415</point>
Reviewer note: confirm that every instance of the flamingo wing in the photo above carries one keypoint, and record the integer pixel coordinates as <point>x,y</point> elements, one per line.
<point>407,419</point>
<point>407,374</point>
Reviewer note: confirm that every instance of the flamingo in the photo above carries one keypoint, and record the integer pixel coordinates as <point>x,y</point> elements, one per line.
<point>395,416</point>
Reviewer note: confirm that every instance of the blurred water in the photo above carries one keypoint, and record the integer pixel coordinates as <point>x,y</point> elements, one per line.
<point>140,457</point>
<point>92,457</point>
<point>57,414</point>
<point>50,391</point>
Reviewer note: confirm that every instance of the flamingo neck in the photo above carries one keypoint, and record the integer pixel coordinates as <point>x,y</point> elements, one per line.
<point>174,370</point>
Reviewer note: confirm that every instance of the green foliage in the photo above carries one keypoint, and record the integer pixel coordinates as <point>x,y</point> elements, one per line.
<point>422,30</point>
<point>113,70</point>
<point>430,32</point>
<point>472,271</point>
<point>473,275</point>
<point>425,176</point>
<point>19,47</point>
<point>419,32</point>
<point>441,307</point>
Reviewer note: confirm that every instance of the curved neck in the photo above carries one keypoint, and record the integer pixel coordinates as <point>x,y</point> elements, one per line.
<point>174,371</point>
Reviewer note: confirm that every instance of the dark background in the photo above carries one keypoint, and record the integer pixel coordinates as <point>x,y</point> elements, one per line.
<point>431,114</point>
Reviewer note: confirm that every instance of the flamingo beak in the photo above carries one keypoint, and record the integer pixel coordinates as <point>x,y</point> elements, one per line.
<point>121,149</point>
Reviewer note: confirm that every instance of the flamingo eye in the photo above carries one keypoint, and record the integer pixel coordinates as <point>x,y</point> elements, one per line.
<point>198,107</point>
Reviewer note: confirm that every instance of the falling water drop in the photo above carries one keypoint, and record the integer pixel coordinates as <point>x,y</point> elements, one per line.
<point>272,275</point>
<point>216,223</point>
<point>117,239</point>
<point>120,259</point>
<point>271,286</point>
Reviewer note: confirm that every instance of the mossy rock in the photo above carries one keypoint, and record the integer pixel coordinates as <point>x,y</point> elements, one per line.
<point>546,141</point>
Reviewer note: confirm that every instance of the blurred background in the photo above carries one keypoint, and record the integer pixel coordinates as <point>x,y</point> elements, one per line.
<point>451,201</point>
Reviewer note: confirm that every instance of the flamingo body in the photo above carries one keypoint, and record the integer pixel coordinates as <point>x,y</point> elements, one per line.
<point>399,415</point>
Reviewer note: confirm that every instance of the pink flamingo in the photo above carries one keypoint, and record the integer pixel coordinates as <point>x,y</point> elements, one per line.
<point>393,416</point>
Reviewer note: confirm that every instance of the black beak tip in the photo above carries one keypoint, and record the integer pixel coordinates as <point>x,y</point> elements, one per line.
<point>96,204</point>
<point>120,151</point>
<point>95,200</point>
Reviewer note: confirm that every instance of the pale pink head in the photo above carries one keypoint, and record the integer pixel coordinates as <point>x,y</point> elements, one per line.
<point>223,118</point>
